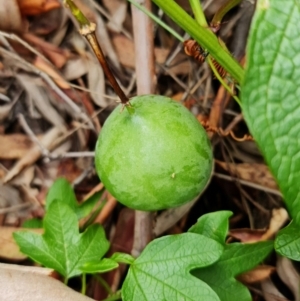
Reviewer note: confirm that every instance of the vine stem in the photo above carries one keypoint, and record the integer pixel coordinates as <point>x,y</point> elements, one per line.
<point>203,36</point>
<point>200,18</point>
<point>224,9</point>
<point>87,29</point>
<point>198,13</point>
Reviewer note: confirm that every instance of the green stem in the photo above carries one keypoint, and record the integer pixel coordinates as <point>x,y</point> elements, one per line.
<point>79,16</point>
<point>200,18</point>
<point>104,284</point>
<point>87,29</point>
<point>224,9</point>
<point>220,79</point>
<point>198,13</point>
<point>203,36</point>
<point>116,296</point>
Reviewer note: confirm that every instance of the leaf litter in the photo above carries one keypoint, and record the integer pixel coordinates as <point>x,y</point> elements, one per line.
<point>50,76</point>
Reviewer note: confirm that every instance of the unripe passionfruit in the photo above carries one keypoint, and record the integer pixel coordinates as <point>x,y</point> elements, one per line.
<point>156,158</point>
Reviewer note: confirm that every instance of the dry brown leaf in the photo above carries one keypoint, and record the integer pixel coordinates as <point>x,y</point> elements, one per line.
<point>60,18</point>
<point>112,5</point>
<point>106,42</point>
<point>9,196</point>
<point>17,283</point>
<point>247,235</point>
<point>107,209</point>
<point>2,173</point>
<point>28,193</point>
<point>36,7</point>
<point>5,110</point>
<point>34,153</point>
<point>118,12</point>
<point>9,249</point>
<point>10,16</point>
<point>219,105</point>
<point>96,82</point>
<point>279,217</point>
<point>254,172</point>
<point>258,274</point>
<point>289,275</point>
<point>270,292</point>
<point>55,54</point>
<point>48,69</point>
<point>30,269</point>
<point>14,146</point>
<point>75,68</point>
<point>179,64</point>
<point>125,51</point>
<point>25,177</point>
<point>68,170</point>
<point>41,99</point>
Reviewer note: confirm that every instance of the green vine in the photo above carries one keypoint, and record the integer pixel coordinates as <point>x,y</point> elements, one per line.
<point>203,36</point>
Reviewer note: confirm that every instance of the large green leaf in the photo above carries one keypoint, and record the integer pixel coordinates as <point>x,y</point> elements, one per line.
<point>62,247</point>
<point>271,92</point>
<point>161,272</point>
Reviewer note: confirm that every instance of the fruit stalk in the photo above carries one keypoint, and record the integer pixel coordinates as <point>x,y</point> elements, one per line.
<point>87,29</point>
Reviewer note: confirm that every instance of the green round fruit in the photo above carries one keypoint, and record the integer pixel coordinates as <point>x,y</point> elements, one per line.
<point>156,158</point>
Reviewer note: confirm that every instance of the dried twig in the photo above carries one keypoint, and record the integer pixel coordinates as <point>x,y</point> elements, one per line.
<point>146,81</point>
<point>31,134</point>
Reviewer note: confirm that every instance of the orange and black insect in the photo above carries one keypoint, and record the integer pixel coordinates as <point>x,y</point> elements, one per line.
<point>193,49</point>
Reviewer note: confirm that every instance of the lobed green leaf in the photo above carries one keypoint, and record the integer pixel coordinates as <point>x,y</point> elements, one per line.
<point>62,191</point>
<point>162,272</point>
<point>236,259</point>
<point>62,247</point>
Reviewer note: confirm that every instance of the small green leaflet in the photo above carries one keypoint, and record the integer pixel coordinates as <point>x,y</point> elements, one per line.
<point>33,223</point>
<point>102,266</point>
<point>162,271</point>
<point>62,191</point>
<point>213,225</point>
<point>123,258</point>
<point>62,247</point>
